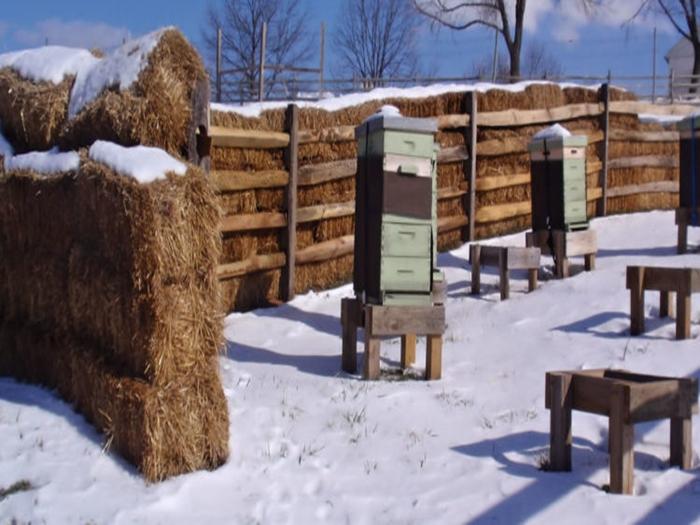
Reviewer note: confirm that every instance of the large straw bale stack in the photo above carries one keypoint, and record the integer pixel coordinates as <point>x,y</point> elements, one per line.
<point>134,339</point>
<point>160,108</point>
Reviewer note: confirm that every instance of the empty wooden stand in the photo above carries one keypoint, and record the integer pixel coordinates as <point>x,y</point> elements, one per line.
<point>505,258</point>
<point>684,219</point>
<point>391,321</point>
<point>682,281</point>
<point>562,245</point>
<point>626,399</point>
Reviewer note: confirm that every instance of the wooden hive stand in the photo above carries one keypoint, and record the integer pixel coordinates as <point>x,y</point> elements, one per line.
<point>505,258</point>
<point>681,281</point>
<point>562,245</point>
<point>391,321</point>
<point>683,220</point>
<point>626,399</point>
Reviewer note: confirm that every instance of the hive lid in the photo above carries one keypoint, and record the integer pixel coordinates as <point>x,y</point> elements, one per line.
<point>389,118</point>
<point>556,137</point>
<point>692,121</point>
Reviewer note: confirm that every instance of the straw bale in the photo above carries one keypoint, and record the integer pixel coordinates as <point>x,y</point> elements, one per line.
<point>451,207</point>
<point>239,246</point>
<point>494,229</point>
<point>450,175</point>
<point>320,152</point>
<point>157,110</point>
<point>32,113</point>
<point>235,202</point>
<point>591,209</point>
<point>619,149</point>
<point>503,165</point>
<point>503,195</point>
<point>450,240</point>
<point>323,275</point>
<point>163,431</point>
<point>630,176</point>
<point>580,125</point>
<point>305,235</point>
<point>339,190</point>
<point>238,159</point>
<point>448,139</point>
<point>643,202</point>
<point>251,291</point>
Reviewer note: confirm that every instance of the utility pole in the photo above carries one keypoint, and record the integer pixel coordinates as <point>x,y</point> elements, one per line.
<point>653,71</point>
<point>494,64</point>
<point>261,93</point>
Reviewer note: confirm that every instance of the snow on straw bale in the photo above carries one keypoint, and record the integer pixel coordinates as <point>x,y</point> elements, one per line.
<point>44,162</point>
<point>139,162</point>
<point>49,63</point>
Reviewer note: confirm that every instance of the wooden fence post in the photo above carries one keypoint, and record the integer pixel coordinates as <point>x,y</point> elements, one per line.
<point>291,160</point>
<point>470,165</point>
<point>602,205</point>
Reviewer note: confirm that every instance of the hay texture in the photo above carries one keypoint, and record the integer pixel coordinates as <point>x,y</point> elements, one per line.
<point>109,295</point>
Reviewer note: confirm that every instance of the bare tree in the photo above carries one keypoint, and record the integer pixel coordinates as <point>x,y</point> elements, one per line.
<point>496,14</point>
<point>375,39</point>
<point>684,18</point>
<point>537,62</point>
<point>241,23</point>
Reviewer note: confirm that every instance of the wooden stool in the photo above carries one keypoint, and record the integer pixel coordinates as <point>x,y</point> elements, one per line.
<point>683,220</point>
<point>563,245</point>
<point>626,398</point>
<point>682,281</point>
<point>506,259</point>
<point>382,321</point>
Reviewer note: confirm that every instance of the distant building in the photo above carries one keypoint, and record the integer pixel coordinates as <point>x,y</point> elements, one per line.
<point>680,61</point>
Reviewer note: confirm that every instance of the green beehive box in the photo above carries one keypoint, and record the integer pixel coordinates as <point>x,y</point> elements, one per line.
<point>395,213</point>
<point>558,191</point>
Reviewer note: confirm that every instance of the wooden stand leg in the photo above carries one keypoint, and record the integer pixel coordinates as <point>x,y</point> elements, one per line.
<point>503,273</point>
<point>635,284</point>
<point>589,262</point>
<point>664,301</point>
<point>682,315</point>
<point>433,360</point>
<point>681,442</point>
<point>562,263</point>
<point>371,364</point>
<point>408,350</point>
<point>682,237</point>
<point>621,436</point>
<point>347,319</point>
<point>532,279</point>
<point>559,421</point>
<point>475,258</point>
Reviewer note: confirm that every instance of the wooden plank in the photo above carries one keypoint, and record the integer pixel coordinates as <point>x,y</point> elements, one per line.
<point>446,224</point>
<point>291,161</point>
<point>593,194</point>
<point>633,107</point>
<point>626,135</point>
<point>371,368</point>
<point>452,154</point>
<point>511,145</point>
<point>470,167</point>
<point>325,211</point>
<point>683,313</point>
<point>681,442</point>
<point>558,399</point>
<point>602,205</point>
<point>256,263</point>
<point>621,436</point>
<point>475,261</point>
<point>647,161</point>
<point>393,321</point>
<point>328,135</point>
<point>324,251</point>
<point>499,212</point>
<point>667,279</point>
<point>504,278</point>
<point>226,180</point>
<point>523,258</point>
<point>450,193</point>
<point>349,323</point>
<point>516,117</point>
<point>433,358</point>
<point>654,400</point>
<point>408,350</point>
<point>666,186</point>
<point>252,221</point>
<point>591,394</point>
<point>247,138</point>
<point>452,121</point>
<point>581,243</point>
<point>311,175</point>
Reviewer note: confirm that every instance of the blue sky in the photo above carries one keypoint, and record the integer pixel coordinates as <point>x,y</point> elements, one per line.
<point>582,46</point>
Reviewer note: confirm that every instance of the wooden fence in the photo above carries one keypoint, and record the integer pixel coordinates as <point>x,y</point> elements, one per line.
<point>469,123</point>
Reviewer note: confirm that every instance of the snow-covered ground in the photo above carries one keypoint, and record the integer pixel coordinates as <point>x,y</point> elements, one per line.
<point>310,444</point>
